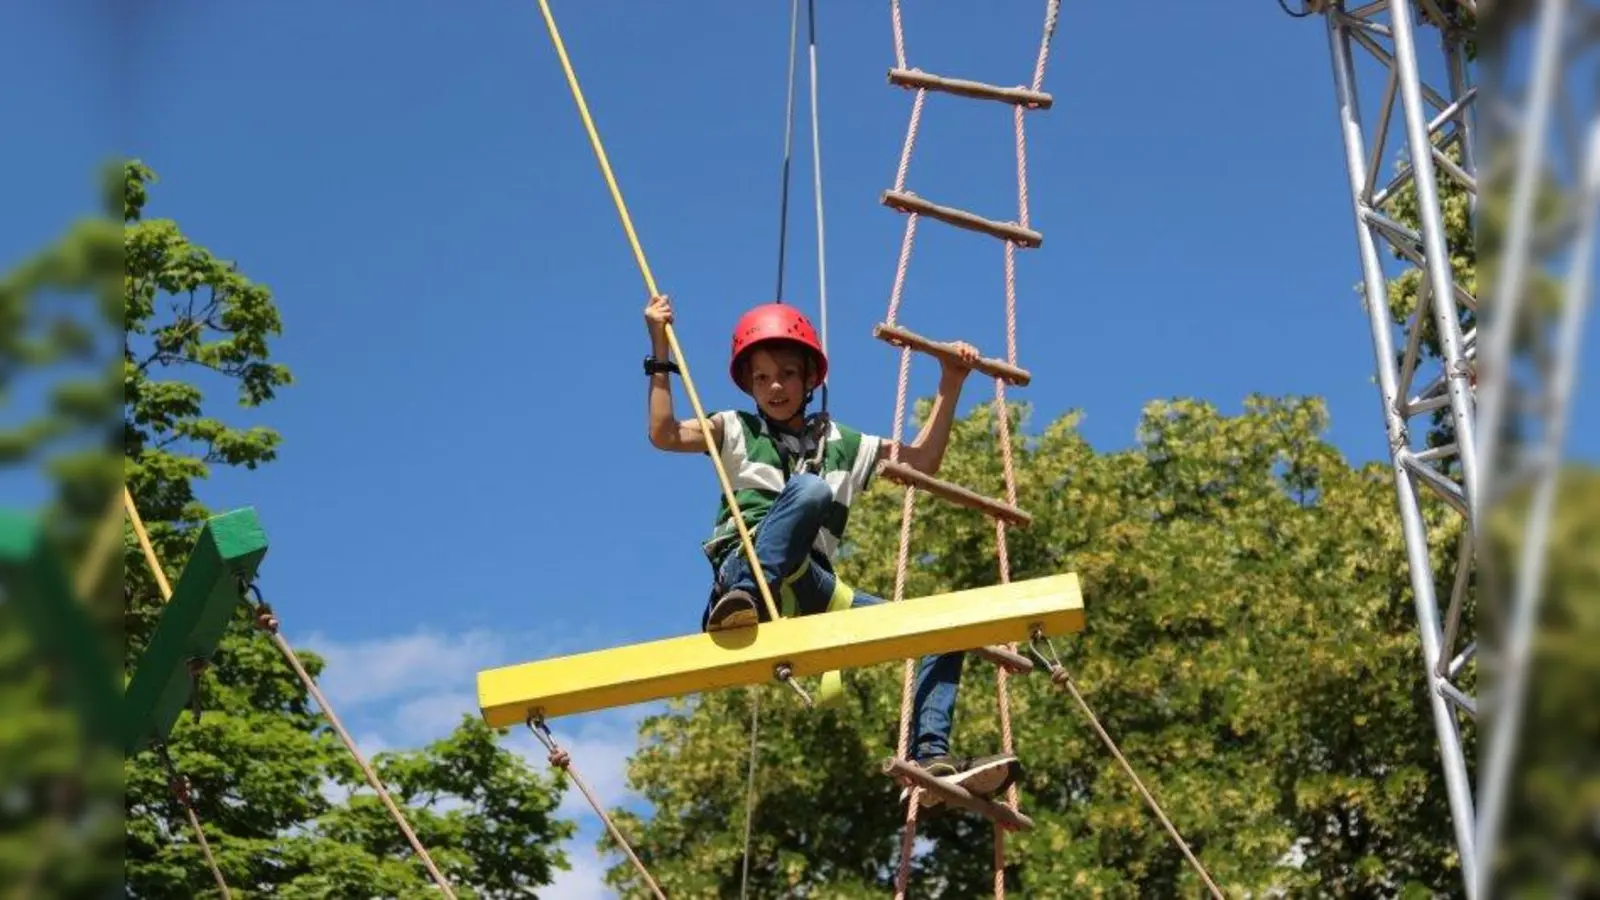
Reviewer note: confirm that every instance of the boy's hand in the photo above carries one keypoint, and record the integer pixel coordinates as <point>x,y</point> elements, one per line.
<point>957,372</point>
<point>658,315</point>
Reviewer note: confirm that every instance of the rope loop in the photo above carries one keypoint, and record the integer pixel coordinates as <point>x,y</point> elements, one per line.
<point>180,787</point>
<point>266,619</point>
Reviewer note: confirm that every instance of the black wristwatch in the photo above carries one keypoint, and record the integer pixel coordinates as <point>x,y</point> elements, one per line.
<point>653,365</point>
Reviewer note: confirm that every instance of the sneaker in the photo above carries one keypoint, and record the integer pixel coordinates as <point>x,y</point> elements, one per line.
<point>982,776</point>
<point>735,609</point>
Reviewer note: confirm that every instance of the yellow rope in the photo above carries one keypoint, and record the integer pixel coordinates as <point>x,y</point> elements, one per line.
<point>104,545</point>
<point>150,557</point>
<point>650,285</point>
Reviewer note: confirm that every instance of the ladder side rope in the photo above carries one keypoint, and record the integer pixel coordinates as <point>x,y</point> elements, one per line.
<point>901,390</point>
<point>1003,423</point>
<point>902,562</point>
<point>561,759</point>
<point>1002,550</point>
<point>1058,672</point>
<point>672,333</point>
<point>268,622</point>
<point>1060,676</point>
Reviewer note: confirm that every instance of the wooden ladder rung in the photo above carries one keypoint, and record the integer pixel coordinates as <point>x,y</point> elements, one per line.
<point>907,202</point>
<point>994,368</point>
<point>902,474</point>
<point>1018,96</point>
<point>1011,661</point>
<point>910,774</point>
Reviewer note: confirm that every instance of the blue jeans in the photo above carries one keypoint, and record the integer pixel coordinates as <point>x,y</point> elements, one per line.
<point>803,584</point>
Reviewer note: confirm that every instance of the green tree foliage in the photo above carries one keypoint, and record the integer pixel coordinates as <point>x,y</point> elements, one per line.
<point>285,808</point>
<point>1550,847</point>
<point>1250,645</point>
<point>60,822</point>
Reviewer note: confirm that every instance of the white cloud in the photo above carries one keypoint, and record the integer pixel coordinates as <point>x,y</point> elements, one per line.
<point>404,666</point>
<point>584,881</point>
<point>431,715</point>
<point>408,689</point>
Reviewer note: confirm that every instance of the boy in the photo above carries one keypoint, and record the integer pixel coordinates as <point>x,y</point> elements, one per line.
<point>794,480</point>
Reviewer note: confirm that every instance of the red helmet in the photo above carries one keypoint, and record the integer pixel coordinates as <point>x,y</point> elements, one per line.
<point>774,322</point>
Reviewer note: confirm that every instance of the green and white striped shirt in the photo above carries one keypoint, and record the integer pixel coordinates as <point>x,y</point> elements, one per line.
<point>752,458</point>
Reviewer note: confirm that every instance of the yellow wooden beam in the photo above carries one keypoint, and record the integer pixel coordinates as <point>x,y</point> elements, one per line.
<point>810,645</point>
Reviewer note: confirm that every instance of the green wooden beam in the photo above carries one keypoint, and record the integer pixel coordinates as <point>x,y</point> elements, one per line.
<point>34,582</point>
<point>231,546</point>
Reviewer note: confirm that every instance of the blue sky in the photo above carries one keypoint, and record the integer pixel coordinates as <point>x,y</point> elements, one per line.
<point>465,480</point>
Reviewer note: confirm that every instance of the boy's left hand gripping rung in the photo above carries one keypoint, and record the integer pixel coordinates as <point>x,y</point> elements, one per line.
<point>944,352</point>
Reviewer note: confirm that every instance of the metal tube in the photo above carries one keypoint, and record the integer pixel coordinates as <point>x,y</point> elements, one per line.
<point>1436,250</point>
<point>1455,62</point>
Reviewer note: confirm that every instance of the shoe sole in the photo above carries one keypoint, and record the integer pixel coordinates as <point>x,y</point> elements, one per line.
<point>982,781</point>
<point>985,780</point>
<point>741,619</point>
<point>743,615</point>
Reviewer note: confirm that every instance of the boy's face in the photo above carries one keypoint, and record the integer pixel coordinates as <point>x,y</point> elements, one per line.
<point>778,378</point>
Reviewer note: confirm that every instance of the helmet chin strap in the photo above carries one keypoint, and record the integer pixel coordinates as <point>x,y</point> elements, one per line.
<point>820,422</point>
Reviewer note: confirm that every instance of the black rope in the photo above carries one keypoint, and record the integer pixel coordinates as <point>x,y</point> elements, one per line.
<point>811,39</point>
<point>788,142</point>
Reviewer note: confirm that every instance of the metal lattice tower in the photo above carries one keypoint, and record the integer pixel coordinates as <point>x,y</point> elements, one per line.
<point>1526,383</point>
<point>1434,126</point>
